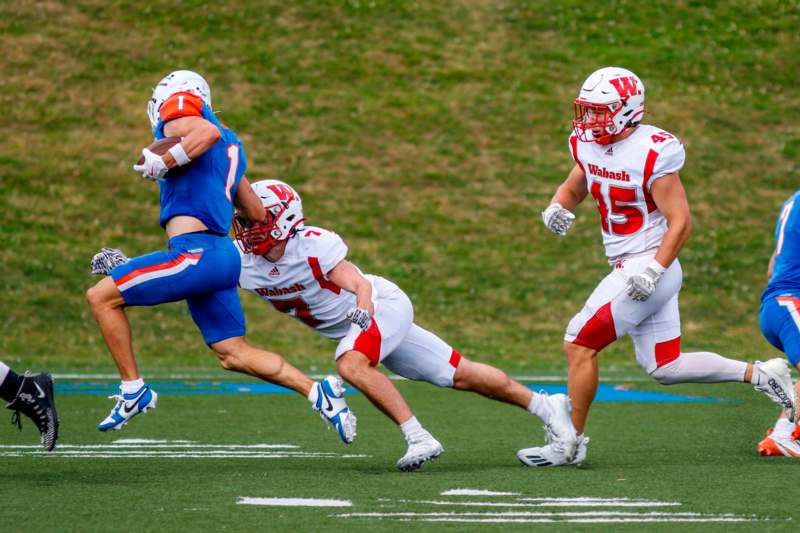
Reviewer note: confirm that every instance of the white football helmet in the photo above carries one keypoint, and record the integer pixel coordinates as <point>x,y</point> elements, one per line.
<point>284,217</point>
<point>610,101</point>
<point>179,81</point>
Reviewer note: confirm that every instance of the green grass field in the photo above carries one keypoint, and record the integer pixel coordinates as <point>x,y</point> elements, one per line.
<point>698,455</point>
<point>429,135</point>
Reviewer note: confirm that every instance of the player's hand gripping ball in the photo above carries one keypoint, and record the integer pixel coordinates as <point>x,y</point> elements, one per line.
<point>150,163</point>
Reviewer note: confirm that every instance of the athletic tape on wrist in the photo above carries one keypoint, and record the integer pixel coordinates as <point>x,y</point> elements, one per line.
<point>179,154</point>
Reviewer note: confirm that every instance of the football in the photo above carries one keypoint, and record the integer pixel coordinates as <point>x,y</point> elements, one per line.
<point>160,147</point>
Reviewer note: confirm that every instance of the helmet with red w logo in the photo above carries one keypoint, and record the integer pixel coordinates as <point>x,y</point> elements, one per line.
<point>610,101</point>
<point>284,217</point>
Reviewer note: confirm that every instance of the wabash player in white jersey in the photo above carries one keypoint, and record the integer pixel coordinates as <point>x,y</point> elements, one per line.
<point>303,271</point>
<point>631,171</point>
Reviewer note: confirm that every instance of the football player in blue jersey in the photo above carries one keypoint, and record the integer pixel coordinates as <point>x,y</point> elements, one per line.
<point>780,317</point>
<point>200,178</point>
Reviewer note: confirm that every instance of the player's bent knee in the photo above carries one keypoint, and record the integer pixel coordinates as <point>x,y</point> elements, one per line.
<point>104,294</point>
<point>577,354</point>
<point>464,377</point>
<point>666,375</point>
<point>228,352</point>
<point>351,363</point>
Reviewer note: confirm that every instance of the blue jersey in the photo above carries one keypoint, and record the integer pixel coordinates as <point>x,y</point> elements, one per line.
<point>205,188</point>
<point>786,270</point>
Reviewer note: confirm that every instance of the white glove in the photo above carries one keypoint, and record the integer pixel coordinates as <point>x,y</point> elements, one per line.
<point>360,317</point>
<point>557,219</point>
<point>106,259</point>
<point>153,168</point>
<point>641,286</point>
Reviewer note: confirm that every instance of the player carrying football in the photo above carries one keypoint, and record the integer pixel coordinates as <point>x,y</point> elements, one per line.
<point>631,171</point>
<point>780,317</point>
<point>303,271</point>
<point>201,265</point>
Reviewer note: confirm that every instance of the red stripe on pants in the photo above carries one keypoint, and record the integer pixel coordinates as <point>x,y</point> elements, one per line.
<point>455,358</point>
<point>599,331</point>
<point>667,351</point>
<point>369,343</point>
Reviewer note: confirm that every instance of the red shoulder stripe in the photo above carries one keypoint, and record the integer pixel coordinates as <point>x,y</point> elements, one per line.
<point>573,142</point>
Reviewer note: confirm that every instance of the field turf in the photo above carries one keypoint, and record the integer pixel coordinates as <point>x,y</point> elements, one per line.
<point>698,455</point>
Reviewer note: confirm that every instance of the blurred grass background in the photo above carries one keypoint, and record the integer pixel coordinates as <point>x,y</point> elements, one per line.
<point>429,135</point>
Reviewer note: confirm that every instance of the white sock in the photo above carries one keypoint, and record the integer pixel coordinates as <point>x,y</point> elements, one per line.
<point>3,372</point>
<point>129,387</point>
<point>783,428</point>
<point>313,394</point>
<point>412,429</point>
<point>540,407</point>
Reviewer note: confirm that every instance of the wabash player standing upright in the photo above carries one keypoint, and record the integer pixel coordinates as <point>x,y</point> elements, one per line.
<point>202,265</point>
<point>631,171</point>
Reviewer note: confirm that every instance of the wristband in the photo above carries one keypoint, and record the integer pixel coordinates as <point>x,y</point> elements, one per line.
<point>179,154</point>
<point>656,267</point>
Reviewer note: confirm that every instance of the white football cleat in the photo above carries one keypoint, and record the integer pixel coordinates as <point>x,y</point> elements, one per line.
<point>560,427</point>
<point>332,407</point>
<point>778,385</point>
<point>552,454</point>
<point>773,445</point>
<point>420,450</point>
<point>581,446</point>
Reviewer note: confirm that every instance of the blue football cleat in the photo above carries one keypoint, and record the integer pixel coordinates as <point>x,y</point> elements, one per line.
<point>128,406</point>
<point>332,406</point>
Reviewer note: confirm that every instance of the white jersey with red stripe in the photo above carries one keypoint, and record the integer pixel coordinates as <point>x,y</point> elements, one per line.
<point>296,283</point>
<point>619,177</point>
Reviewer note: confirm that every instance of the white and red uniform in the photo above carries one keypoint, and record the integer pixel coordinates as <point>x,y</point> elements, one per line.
<point>619,176</point>
<point>296,284</point>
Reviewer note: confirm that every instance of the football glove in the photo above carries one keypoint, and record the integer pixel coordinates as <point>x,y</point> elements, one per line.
<point>153,168</point>
<point>106,259</point>
<point>360,317</point>
<point>557,219</point>
<point>641,286</point>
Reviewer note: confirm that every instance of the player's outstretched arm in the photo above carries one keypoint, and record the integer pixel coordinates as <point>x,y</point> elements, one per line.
<point>347,276</point>
<point>558,216</point>
<point>247,202</point>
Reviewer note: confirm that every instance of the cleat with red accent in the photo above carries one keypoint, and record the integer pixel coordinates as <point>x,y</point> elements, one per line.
<point>773,446</point>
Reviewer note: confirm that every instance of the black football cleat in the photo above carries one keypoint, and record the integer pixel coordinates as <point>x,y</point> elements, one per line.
<point>35,400</point>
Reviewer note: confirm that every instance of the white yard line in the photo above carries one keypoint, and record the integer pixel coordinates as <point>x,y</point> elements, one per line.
<point>152,446</point>
<point>476,492</point>
<point>187,455</point>
<point>294,502</point>
<point>582,520</point>
<point>556,503</point>
<point>539,514</point>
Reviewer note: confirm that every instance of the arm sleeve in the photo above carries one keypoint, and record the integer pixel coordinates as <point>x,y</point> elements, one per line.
<point>181,105</point>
